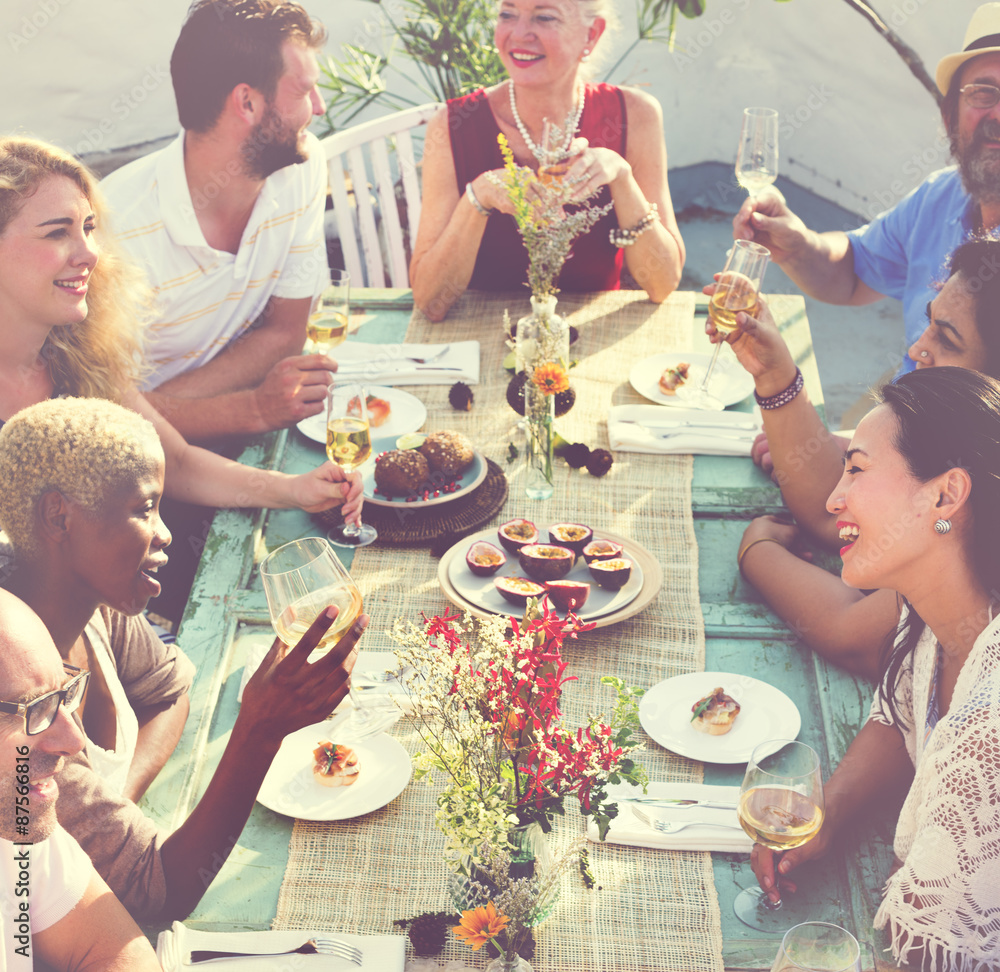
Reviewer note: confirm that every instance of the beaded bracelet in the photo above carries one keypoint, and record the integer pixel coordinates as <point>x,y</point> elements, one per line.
<point>752,543</point>
<point>470,194</point>
<point>626,237</point>
<point>783,397</point>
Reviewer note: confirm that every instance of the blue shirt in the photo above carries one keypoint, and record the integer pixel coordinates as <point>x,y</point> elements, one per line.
<point>904,251</point>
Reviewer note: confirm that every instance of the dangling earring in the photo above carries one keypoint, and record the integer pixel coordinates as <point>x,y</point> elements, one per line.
<point>585,56</point>
<point>942,526</point>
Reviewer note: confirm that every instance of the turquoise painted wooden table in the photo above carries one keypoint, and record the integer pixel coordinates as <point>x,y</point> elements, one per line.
<point>227,613</point>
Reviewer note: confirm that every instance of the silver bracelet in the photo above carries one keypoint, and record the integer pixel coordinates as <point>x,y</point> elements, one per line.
<point>470,194</point>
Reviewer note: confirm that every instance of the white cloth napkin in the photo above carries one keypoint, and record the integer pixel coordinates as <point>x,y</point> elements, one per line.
<point>628,829</point>
<point>643,428</point>
<point>384,364</point>
<point>380,953</point>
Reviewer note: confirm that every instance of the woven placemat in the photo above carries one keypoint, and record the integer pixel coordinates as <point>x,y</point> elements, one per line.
<point>408,526</point>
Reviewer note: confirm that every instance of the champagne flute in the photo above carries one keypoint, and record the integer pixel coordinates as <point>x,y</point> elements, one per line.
<point>327,325</point>
<point>817,946</point>
<point>349,444</point>
<point>737,290</point>
<point>757,157</point>
<point>781,807</point>
<point>300,580</point>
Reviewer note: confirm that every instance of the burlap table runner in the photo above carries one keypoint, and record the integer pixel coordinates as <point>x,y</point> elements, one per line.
<point>652,910</point>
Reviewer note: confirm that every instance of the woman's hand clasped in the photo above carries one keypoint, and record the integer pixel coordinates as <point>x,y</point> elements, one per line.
<point>328,486</point>
<point>591,168</point>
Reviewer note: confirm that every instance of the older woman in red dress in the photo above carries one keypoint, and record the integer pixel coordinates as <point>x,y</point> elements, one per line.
<point>614,137</point>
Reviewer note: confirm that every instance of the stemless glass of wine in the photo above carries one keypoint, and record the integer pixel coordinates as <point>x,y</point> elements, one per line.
<point>349,444</point>
<point>327,325</point>
<point>817,946</point>
<point>301,579</point>
<point>781,807</point>
<point>757,156</point>
<point>736,290</point>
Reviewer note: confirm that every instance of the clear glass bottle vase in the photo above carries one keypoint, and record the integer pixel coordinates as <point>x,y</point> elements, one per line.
<point>542,351</point>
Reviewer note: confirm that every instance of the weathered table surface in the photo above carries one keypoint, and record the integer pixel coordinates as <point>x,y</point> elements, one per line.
<point>227,613</point>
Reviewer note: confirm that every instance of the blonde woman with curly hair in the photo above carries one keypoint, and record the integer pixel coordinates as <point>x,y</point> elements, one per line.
<point>80,486</point>
<point>70,316</point>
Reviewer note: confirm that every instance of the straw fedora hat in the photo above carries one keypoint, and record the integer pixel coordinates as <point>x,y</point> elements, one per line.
<point>982,37</point>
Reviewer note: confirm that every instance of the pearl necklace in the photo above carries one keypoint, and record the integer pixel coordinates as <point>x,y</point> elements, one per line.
<point>569,127</point>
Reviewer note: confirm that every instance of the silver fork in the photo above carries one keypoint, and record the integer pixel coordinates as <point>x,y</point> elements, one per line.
<point>433,357</point>
<point>673,826</point>
<point>314,946</point>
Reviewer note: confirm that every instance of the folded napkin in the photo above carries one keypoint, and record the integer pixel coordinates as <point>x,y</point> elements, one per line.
<point>658,429</point>
<point>380,953</point>
<point>628,829</point>
<point>387,364</point>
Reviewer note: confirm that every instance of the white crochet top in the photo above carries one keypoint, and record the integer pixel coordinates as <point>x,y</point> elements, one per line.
<point>946,894</point>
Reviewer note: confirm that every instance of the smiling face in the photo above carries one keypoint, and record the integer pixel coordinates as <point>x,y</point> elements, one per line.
<point>116,550</point>
<point>47,253</point>
<point>277,140</point>
<point>977,133</point>
<point>951,336</point>
<point>30,666</point>
<point>542,41</point>
<point>884,513</point>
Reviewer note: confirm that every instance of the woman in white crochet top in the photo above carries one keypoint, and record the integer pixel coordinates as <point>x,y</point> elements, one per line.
<point>918,507</point>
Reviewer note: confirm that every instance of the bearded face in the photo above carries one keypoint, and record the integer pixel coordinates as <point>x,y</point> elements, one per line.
<point>273,144</point>
<point>978,157</point>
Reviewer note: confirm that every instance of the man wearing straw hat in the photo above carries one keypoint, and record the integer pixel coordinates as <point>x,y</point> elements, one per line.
<point>903,251</point>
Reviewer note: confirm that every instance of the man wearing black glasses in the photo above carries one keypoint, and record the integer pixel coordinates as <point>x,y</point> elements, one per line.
<point>52,902</point>
<point>902,253</point>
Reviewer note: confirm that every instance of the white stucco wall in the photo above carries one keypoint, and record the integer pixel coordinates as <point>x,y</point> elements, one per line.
<point>92,75</point>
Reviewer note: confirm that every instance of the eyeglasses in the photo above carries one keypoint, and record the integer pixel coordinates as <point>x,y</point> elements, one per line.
<point>980,95</point>
<point>40,713</point>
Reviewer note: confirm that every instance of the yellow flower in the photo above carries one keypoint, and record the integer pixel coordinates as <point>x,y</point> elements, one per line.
<point>551,378</point>
<point>480,925</point>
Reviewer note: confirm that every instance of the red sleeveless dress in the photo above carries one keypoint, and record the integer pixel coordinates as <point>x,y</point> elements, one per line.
<point>502,264</point>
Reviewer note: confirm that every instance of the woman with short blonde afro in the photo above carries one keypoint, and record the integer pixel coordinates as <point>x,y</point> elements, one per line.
<point>70,312</point>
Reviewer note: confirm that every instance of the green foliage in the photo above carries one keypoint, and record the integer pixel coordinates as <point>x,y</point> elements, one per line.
<point>450,47</point>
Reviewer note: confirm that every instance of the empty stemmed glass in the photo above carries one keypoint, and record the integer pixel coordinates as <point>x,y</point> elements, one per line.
<point>737,289</point>
<point>349,444</point>
<point>757,156</point>
<point>327,325</point>
<point>781,807</point>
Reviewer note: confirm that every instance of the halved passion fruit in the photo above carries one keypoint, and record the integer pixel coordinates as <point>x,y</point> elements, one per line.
<point>601,550</point>
<point>568,595</point>
<point>546,561</point>
<point>517,590</point>
<point>611,574</point>
<point>484,558</point>
<point>514,534</point>
<point>576,536</point>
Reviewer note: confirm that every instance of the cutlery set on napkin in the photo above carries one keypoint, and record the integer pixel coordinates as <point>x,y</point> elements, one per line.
<point>180,947</point>
<point>408,364</point>
<point>692,816</point>
<point>662,429</point>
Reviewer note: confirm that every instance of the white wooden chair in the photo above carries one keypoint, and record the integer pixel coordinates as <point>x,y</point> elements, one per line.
<point>346,159</point>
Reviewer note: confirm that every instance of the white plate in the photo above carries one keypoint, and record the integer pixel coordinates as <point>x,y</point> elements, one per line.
<point>406,414</point>
<point>289,787</point>
<point>481,591</point>
<point>730,383</point>
<point>465,483</point>
<point>765,713</point>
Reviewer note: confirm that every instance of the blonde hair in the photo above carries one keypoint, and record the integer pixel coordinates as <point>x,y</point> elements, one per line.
<point>85,448</point>
<point>102,356</point>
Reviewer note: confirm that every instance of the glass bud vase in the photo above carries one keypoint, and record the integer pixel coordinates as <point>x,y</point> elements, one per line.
<point>542,351</point>
<point>513,964</point>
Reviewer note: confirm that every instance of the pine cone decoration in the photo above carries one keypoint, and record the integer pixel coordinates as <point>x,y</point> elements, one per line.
<point>429,932</point>
<point>576,455</point>
<point>460,396</point>
<point>600,462</point>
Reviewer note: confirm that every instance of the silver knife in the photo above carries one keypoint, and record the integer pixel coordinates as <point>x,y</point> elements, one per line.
<point>680,804</point>
<point>689,424</point>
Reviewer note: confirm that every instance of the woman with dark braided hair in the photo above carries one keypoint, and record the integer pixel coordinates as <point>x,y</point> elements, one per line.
<point>916,507</point>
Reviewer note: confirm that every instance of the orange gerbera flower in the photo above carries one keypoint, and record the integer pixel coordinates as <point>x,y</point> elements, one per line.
<point>480,925</point>
<point>551,378</point>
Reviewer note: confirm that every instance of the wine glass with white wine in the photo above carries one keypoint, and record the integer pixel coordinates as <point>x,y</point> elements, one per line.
<point>737,289</point>
<point>781,807</point>
<point>328,324</point>
<point>757,157</point>
<point>349,445</point>
<point>817,946</point>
